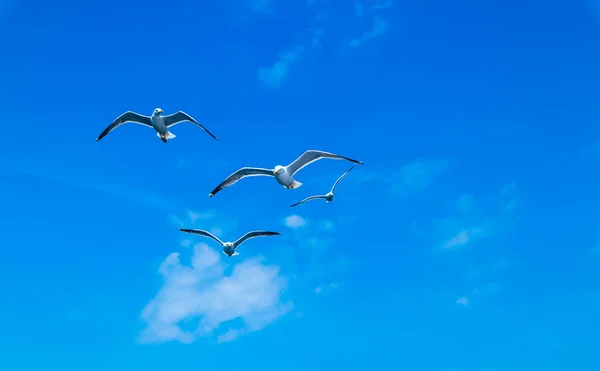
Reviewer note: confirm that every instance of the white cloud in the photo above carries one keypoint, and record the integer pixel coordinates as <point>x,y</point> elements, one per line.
<point>462,238</point>
<point>228,336</point>
<point>329,286</point>
<point>191,217</point>
<point>380,26</point>
<point>464,301</point>
<point>486,289</point>
<point>295,221</point>
<point>203,291</point>
<point>194,216</point>
<point>476,220</point>
<point>276,75</point>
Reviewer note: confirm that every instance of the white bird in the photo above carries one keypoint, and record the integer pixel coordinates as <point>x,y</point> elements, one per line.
<point>329,196</point>
<point>161,124</point>
<point>284,175</point>
<point>229,248</point>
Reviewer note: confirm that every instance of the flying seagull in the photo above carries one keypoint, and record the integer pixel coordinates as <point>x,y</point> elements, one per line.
<point>230,247</point>
<point>284,175</point>
<point>329,196</point>
<point>161,124</point>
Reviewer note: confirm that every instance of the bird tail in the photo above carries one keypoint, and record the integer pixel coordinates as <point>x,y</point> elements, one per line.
<point>235,253</point>
<point>295,184</point>
<point>168,135</point>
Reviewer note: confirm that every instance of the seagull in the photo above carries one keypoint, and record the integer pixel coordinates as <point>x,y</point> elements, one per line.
<point>329,196</point>
<point>284,175</point>
<point>159,123</point>
<point>230,247</point>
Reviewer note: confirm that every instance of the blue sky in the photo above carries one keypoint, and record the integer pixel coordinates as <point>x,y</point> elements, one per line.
<point>469,240</point>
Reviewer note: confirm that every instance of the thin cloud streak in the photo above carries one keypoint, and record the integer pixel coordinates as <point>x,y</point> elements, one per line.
<point>380,26</point>
<point>136,195</point>
<point>275,75</point>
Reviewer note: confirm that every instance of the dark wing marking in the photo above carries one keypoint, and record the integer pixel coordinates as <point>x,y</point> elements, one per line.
<point>252,235</point>
<point>307,199</point>
<point>241,173</point>
<point>311,156</point>
<point>202,233</point>
<point>181,116</point>
<point>128,116</point>
<point>340,178</point>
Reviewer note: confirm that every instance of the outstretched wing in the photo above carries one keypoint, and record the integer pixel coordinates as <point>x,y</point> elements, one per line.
<point>202,233</point>
<point>128,116</point>
<point>340,178</point>
<point>311,156</point>
<point>252,235</point>
<point>307,199</point>
<point>241,173</point>
<point>181,116</point>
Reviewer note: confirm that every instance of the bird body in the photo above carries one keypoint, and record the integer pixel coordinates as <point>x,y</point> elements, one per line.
<point>159,123</point>
<point>327,197</point>
<point>284,175</point>
<point>229,248</point>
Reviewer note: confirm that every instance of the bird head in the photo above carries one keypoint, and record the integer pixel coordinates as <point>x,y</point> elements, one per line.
<point>157,112</point>
<point>228,248</point>
<point>278,169</point>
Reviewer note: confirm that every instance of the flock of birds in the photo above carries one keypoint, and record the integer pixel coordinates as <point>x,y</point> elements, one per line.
<point>284,175</point>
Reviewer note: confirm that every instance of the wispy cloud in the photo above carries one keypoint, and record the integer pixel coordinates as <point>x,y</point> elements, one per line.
<point>230,335</point>
<point>326,225</point>
<point>202,291</point>
<point>483,278</point>
<point>380,26</point>
<point>486,289</point>
<point>78,178</point>
<point>420,173</point>
<point>463,237</point>
<point>275,75</point>
<point>472,221</point>
<point>317,35</point>
<point>295,221</point>
<point>330,286</point>
<point>463,300</point>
